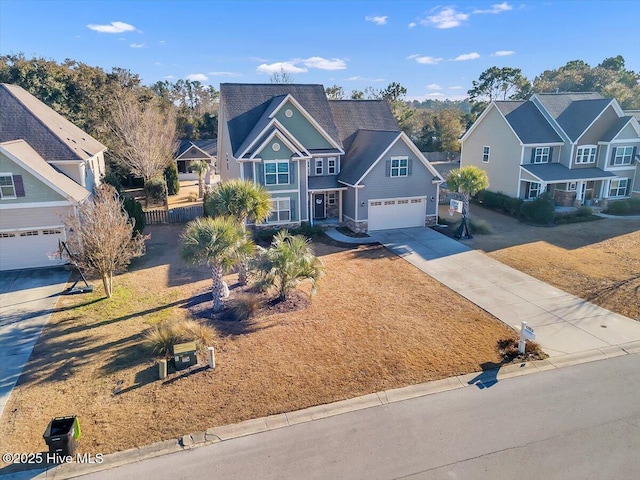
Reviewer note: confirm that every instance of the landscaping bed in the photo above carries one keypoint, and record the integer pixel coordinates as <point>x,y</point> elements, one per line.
<point>376,323</point>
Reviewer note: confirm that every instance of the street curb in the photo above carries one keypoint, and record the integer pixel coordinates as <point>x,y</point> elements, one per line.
<point>273,422</point>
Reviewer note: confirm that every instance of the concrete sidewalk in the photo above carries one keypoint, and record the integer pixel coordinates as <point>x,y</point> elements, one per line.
<point>564,324</point>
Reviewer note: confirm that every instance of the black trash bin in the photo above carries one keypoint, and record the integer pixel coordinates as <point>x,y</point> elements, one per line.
<point>60,435</point>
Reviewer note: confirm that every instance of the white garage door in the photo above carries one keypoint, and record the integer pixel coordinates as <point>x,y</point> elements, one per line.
<point>397,213</point>
<point>28,249</point>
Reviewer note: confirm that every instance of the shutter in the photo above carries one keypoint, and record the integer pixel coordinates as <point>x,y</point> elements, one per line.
<point>613,156</point>
<point>409,166</point>
<point>633,154</point>
<point>550,154</point>
<point>628,190</point>
<point>260,172</point>
<point>533,154</point>
<point>292,208</point>
<point>19,185</point>
<point>387,172</point>
<point>292,172</point>
<point>526,190</point>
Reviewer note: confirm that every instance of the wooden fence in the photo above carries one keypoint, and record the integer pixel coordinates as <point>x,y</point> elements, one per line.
<point>173,215</point>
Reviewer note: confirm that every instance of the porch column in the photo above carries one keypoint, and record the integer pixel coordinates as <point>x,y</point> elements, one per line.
<point>606,185</point>
<point>579,195</point>
<point>310,208</point>
<point>340,206</point>
<point>543,187</point>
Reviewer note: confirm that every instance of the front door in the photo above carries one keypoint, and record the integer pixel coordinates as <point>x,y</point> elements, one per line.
<point>318,205</point>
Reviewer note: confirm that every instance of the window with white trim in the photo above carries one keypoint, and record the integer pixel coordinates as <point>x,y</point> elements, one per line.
<point>534,190</point>
<point>280,210</point>
<point>618,187</point>
<point>486,151</point>
<point>541,155</point>
<point>7,187</point>
<point>571,186</point>
<point>276,172</point>
<point>586,154</point>
<point>318,166</point>
<point>331,166</point>
<point>331,198</point>
<point>399,166</point>
<point>623,156</point>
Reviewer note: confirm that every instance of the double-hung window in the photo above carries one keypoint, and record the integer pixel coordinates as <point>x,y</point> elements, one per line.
<point>280,210</point>
<point>331,166</point>
<point>331,199</point>
<point>541,155</point>
<point>7,187</point>
<point>276,172</point>
<point>399,166</point>
<point>586,154</point>
<point>318,166</point>
<point>486,151</point>
<point>534,190</point>
<point>623,156</point>
<point>618,187</point>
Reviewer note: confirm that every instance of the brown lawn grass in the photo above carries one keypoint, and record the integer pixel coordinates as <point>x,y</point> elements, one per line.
<point>376,323</point>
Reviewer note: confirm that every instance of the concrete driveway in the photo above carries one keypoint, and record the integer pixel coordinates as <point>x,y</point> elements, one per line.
<point>27,298</point>
<point>564,324</point>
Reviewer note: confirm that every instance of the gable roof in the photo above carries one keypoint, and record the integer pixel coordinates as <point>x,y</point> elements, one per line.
<point>556,172</point>
<point>366,148</point>
<point>23,154</point>
<point>246,105</point>
<point>574,112</point>
<point>353,115</point>
<point>527,122</point>
<point>208,146</point>
<point>616,128</point>
<point>23,116</point>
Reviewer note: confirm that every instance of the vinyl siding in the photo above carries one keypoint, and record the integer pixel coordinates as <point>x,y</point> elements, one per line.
<point>302,184</point>
<point>349,202</point>
<point>301,128</point>
<point>504,161</point>
<point>595,132</point>
<point>248,170</point>
<point>21,218</point>
<point>378,185</point>
<point>34,189</point>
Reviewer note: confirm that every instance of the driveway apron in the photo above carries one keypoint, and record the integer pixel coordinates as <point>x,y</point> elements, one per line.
<point>563,323</point>
<point>27,298</point>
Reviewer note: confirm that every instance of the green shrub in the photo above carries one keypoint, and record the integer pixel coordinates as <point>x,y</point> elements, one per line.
<point>479,197</point>
<point>244,307</point>
<point>620,207</point>
<point>114,180</point>
<point>512,206</point>
<point>307,230</point>
<point>479,227</point>
<point>135,212</point>
<point>540,210</point>
<point>495,200</point>
<point>156,189</point>
<point>171,177</point>
<point>584,211</point>
<point>164,336</point>
<point>634,205</point>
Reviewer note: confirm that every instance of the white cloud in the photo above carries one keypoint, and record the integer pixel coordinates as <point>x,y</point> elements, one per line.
<point>496,8</point>
<point>324,63</point>
<point>466,56</point>
<point>425,60</point>
<point>197,77</point>
<point>137,45</point>
<point>412,24</point>
<point>377,19</point>
<point>455,87</point>
<point>169,77</point>
<point>358,78</point>
<point>434,86</point>
<point>162,42</point>
<point>435,96</point>
<point>113,27</point>
<point>157,63</point>
<point>503,53</point>
<point>224,74</point>
<point>448,17</point>
<point>277,67</point>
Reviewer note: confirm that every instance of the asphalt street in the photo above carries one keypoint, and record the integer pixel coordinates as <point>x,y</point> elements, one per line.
<point>569,423</point>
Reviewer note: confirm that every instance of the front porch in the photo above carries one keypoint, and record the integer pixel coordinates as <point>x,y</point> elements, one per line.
<point>324,202</point>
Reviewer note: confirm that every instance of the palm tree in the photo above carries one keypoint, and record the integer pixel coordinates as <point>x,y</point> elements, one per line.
<point>467,181</point>
<point>217,242</point>
<point>288,262</point>
<point>242,200</point>
<point>200,167</point>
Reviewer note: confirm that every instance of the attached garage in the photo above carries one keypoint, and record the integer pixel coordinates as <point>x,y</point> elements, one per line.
<point>29,248</point>
<point>385,214</point>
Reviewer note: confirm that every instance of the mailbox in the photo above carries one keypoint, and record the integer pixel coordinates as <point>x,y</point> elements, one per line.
<point>184,355</point>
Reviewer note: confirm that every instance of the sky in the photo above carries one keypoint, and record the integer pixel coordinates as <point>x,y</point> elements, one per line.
<point>433,49</point>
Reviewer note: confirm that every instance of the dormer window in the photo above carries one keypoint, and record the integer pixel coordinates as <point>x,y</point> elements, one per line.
<point>622,156</point>
<point>318,166</point>
<point>331,168</point>
<point>586,154</point>
<point>541,155</point>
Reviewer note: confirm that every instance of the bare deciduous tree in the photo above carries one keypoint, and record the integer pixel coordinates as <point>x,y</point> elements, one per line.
<point>144,135</point>
<point>100,236</point>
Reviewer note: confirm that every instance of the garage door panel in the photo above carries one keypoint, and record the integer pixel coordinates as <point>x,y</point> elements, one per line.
<point>385,214</point>
<point>28,249</point>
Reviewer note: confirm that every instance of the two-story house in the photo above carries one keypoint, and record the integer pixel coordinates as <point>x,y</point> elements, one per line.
<point>342,161</point>
<point>47,167</point>
<point>579,147</point>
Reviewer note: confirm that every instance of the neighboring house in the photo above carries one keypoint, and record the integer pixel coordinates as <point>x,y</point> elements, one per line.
<point>444,169</point>
<point>579,147</point>
<point>194,150</point>
<point>341,161</point>
<point>47,167</point>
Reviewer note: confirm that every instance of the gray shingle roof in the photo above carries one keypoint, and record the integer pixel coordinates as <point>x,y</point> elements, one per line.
<point>529,124</point>
<point>615,129</point>
<point>23,116</point>
<point>574,112</point>
<point>327,182</point>
<point>556,172</point>
<point>366,148</point>
<point>245,106</point>
<point>353,115</point>
<point>208,146</point>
